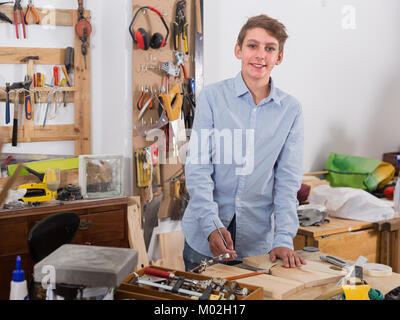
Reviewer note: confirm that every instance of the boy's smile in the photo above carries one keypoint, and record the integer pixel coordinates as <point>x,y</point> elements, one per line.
<point>259,54</point>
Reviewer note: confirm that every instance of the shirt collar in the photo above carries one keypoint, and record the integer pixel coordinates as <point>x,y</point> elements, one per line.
<point>241,89</point>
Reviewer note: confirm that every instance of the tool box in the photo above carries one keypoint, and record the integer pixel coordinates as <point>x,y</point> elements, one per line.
<point>127,290</point>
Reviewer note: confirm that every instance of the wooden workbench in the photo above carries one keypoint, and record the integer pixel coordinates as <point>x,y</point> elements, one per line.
<point>298,284</point>
<point>342,237</point>
<point>383,284</point>
<point>103,222</point>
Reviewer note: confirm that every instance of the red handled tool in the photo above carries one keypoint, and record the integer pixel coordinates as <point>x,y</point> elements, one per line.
<point>167,275</point>
<point>18,7</point>
<point>56,75</point>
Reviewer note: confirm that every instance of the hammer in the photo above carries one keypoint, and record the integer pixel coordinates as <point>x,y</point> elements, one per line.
<point>29,61</point>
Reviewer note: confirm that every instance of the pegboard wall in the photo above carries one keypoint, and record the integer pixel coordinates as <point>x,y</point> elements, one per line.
<point>146,74</point>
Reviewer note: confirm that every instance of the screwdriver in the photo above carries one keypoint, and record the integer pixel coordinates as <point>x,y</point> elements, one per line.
<point>56,75</point>
<point>220,233</point>
<point>64,93</point>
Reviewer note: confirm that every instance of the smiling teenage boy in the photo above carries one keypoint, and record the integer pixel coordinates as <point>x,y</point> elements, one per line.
<point>256,210</point>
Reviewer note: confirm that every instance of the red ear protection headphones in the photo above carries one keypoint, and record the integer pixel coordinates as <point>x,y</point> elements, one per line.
<point>142,39</point>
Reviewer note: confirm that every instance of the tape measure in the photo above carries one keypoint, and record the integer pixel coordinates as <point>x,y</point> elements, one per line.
<point>377,270</point>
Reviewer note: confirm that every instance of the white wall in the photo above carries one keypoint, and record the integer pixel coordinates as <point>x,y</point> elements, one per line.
<point>111,77</point>
<point>347,80</point>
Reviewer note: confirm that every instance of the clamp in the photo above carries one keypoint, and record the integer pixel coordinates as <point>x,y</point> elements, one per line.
<point>18,7</point>
<point>206,263</point>
<point>31,8</point>
<point>180,63</point>
<point>180,25</point>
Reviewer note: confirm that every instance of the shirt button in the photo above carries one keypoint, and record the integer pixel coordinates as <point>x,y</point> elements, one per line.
<point>238,198</point>
<point>255,110</point>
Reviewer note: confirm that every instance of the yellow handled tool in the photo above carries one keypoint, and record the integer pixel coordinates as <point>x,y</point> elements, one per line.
<point>173,102</point>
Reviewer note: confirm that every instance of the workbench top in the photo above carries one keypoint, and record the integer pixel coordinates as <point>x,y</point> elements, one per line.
<point>334,226</point>
<point>383,284</point>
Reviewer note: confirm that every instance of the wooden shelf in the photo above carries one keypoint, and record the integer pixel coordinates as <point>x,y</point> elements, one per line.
<point>79,95</point>
<point>47,16</point>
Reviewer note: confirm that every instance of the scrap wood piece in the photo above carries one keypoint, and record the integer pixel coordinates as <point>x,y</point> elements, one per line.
<point>273,287</point>
<point>135,233</point>
<point>171,249</point>
<point>310,278</point>
<point>263,262</point>
<point>171,244</point>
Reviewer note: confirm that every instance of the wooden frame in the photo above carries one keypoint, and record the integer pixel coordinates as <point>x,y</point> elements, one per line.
<point>80,131</point>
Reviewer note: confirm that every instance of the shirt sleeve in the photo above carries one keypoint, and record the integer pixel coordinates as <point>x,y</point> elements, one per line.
<point>288,178</point>
<point>199,168</point>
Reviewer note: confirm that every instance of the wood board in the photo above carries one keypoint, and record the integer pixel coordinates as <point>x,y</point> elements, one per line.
<point>312,274</point>
<point>171,250</point>
<point>274,287</point>
<point>263,262</point>
<point>335,225</point>
<point>135,234</point>
<point>309,278</point>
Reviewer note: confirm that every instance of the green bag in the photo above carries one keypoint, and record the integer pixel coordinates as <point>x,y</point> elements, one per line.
<point>358,172</point>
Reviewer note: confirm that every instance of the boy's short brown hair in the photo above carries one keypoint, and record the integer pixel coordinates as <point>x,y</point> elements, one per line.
<point>272,26</point>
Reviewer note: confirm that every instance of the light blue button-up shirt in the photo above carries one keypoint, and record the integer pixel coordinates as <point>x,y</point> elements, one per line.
<point>250,164</point>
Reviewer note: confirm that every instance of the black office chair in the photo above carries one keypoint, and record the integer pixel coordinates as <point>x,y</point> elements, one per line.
<point>48,235</point>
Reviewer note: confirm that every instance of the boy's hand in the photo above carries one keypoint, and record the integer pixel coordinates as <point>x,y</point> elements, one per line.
<point>290,258</point>
<point>217,246</point>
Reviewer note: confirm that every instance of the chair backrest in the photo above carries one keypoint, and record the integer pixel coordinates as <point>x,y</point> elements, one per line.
<point>51,233</point>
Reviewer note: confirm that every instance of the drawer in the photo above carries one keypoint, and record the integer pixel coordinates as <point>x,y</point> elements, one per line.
<point>101,227</point>
<point>13,238</point>
<point>350,245</point>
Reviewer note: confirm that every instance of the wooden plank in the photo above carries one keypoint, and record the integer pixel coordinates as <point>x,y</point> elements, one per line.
<point>334,226</point>
<point>82,105</point>
<point>47,16</point>
<point>351,245</point>
<point>299,242</point>
<point>49,133</point>
<point>395,251</point>
<point>273,287</point>
<point>14,55</point>
<point>310,278</point>
<point>171,249</point>
<point>135,233</point>
<point>264,262</point>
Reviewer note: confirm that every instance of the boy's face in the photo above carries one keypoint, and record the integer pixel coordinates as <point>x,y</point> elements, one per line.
<point>259,54</point>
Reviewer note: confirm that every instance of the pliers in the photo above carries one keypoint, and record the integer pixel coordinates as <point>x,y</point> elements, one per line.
<point>180,25</point>
<point>144,98</point>
<point>18,7</point>
<point>31,8</point>
<point>3,16</point>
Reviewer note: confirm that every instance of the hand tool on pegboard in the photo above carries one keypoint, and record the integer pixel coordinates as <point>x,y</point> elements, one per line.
<point>181,26</point>
<point>180,63</point>
<point>3,17</point>
<point>16,85</point>
<point>28,100</point>
<point>31,9</point>
<point>8,88</point>
<point>69,61</point>
<point>18,8</point>
<point>83,29</point>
